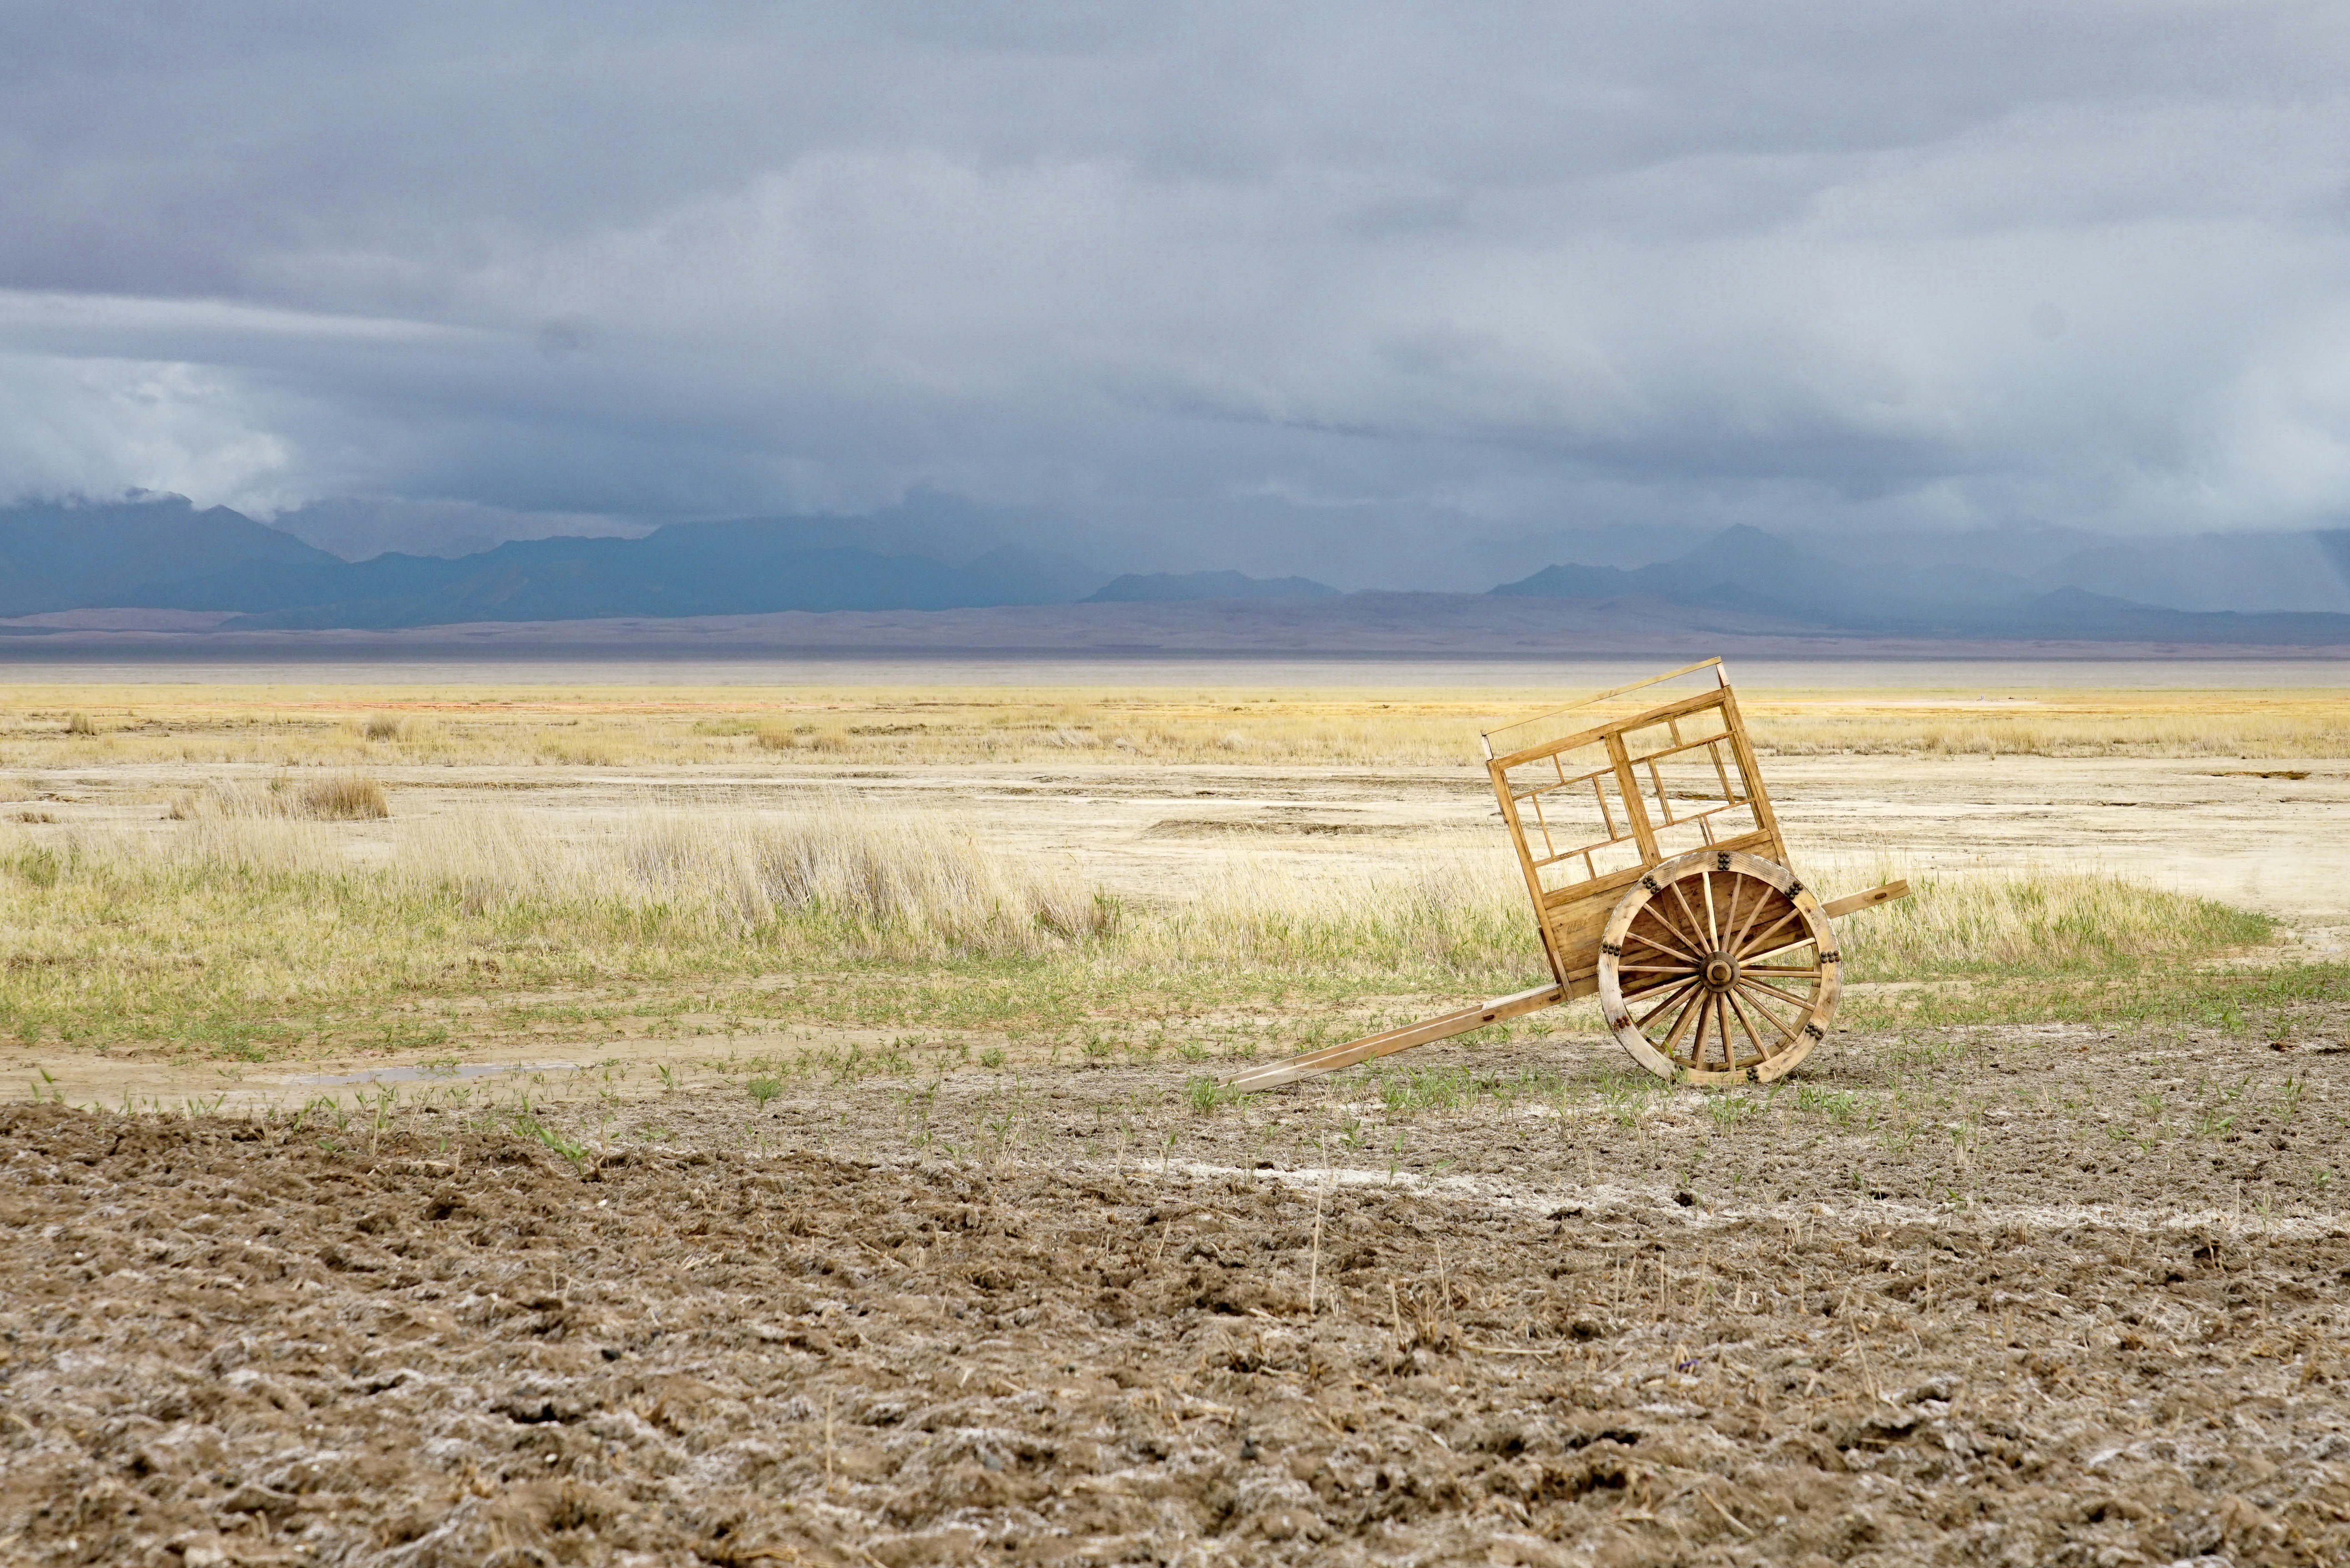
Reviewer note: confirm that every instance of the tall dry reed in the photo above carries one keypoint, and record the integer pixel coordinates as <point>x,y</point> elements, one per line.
<point>337,797</point>
<point>2046,921</point>
<point>863,876</point>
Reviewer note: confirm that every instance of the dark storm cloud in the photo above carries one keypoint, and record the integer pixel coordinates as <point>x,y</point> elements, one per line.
<point>1272,275</point>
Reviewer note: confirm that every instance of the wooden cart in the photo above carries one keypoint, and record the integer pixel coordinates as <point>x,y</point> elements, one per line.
<point>1661,884</point>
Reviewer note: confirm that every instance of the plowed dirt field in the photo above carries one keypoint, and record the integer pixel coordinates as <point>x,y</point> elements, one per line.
<point>2036,1297</point>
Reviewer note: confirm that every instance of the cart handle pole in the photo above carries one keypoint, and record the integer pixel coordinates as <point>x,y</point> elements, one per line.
<point>1836,908</point>
<point>1274,1074</point>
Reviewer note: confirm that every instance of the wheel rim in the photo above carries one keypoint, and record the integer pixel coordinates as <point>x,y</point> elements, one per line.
<point>1718,967</point>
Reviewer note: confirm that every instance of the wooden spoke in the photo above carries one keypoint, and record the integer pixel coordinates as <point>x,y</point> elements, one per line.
<point>1755,988</point>
<point>1656,913</point>
<point>1762,1005</point>
<point>1794,973</point>
<point>1655,969</point>
<point>1641,989</point>
<point>1762,891</point>
<point>1784,1032</point>
<point>1660,947</point>
<point>1803,1001</point>
<point>1682,899</point>
<point>1638,988</point>
<point>1737,890</point>
<point>1673,1040</point>
<point>1754,945</point>
<point>1713,930</point>
<point>1781,950</point>
<point>1668,1001</point>
<point>1745,1023</point>
<point>1697,1041</point>
<point>1662,958</point>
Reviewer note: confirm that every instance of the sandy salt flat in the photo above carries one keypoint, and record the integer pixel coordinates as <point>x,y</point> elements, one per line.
<point>2259,832</point>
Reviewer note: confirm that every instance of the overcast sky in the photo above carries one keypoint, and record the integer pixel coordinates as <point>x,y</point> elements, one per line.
<point>1271,273</point>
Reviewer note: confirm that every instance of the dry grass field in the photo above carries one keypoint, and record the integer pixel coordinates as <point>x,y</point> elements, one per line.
<point>731,1126</point>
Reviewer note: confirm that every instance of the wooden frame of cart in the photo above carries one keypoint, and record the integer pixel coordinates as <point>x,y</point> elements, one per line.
<point>1660,883</point>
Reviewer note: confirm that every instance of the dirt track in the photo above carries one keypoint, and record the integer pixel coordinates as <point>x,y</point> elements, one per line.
<point>1066,1319</point>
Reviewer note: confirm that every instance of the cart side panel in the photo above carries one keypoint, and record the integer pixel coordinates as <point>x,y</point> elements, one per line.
<point>1571,922</point>
<point>1589,813</point>
<point>1568,817</point>
<point>1698,783</point>
<point>1509,806</point>
<point>1644,831</point>
<point>1753,772</point>
<point>1578,837</point>
<point>1595,734</point>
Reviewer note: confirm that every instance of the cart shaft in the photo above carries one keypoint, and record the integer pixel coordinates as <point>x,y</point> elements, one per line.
<point>1836,908</point>
<point>1274,1074</point>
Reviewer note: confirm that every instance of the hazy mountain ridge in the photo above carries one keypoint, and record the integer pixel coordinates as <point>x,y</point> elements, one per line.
<point>689,569</point>
<point>1188,587</point>
<point>1761,572</point>
<point>938,552</point>
<point>164,554</point>
<point>136,554</point>
<point>1747,569</point>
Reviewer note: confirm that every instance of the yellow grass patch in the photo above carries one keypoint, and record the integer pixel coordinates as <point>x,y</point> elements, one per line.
<point>590,726</point>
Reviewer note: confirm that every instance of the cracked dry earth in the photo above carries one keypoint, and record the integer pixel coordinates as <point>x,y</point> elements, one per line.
<point>1577,1334</point>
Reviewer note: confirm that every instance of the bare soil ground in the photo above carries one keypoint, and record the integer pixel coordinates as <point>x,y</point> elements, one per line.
<point>2002,1296</point>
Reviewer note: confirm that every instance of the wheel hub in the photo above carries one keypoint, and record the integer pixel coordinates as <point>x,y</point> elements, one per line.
<point>1720,972</point>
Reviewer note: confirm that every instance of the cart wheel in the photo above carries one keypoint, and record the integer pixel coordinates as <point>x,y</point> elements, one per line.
<point>1717,968</point>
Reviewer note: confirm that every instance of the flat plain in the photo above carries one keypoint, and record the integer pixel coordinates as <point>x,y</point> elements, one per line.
<point>562,1121</point>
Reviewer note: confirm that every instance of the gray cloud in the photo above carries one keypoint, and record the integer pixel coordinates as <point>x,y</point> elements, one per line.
<point>1224,281</point>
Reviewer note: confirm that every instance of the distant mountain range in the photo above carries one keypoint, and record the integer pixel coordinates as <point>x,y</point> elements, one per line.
<point>936,552</point>
<point>136,555</point>
<point>1747,569</point>
<point>1190,587</point>
<point>165,554</point>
